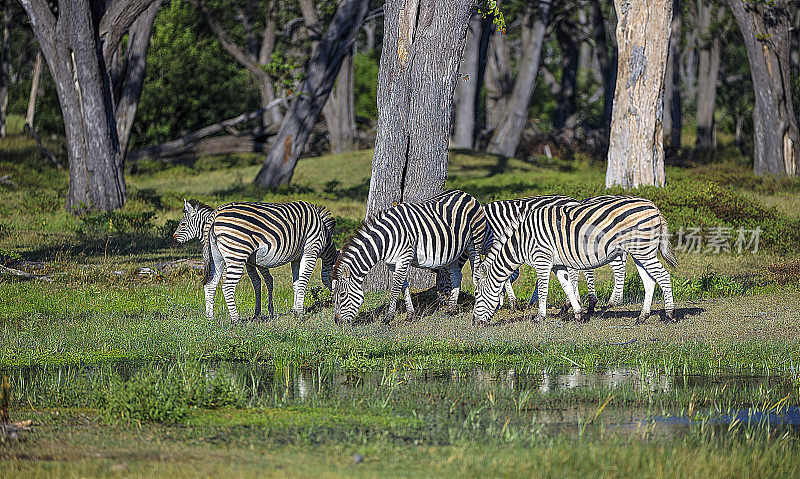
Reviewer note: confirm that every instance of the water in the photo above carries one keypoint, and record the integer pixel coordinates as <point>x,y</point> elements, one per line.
<point>621,400</point>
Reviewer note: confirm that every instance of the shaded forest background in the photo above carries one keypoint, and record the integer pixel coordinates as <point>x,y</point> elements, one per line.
<point>192,80</point>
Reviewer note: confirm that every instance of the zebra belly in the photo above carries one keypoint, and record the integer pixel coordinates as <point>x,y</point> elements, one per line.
<point>268,256</point>
<point>588,261</point>
<point>429,259</point>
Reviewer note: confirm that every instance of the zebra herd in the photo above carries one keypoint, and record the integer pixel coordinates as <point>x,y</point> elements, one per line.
<point>551,233</point>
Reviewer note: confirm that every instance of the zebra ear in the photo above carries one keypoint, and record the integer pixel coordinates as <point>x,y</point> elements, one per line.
<point>482,271</point>
<point>187,207</point>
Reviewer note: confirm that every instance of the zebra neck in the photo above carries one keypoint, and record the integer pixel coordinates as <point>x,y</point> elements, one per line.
<point>205,223</point>
<point>371,251</point>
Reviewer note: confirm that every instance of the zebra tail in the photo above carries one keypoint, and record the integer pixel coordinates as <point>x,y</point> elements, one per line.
<point>665,247</point>
<point>207,259</point>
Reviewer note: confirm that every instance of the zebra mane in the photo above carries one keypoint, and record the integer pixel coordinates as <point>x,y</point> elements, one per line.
<point>501,237</point>
<point>326,217</point>
<point>196,204</point>
<point>346,245</point>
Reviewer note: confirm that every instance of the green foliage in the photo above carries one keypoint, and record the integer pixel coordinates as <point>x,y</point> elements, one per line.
<point>492,10</point>
<point>365,70</point>
<point>147,397</point>
<point>344,228</point>
<point>190,82</point>
<point>8,257</point>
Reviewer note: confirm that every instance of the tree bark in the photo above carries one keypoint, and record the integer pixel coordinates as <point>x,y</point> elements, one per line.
<point>131,90</point>
<point>507,135</point>
<point>37,72</point>
<point>323,68</point>
<point>710,61</point>
<point>607,63</point>
<point>5,64</point>
<point>369,33</point>
<point>570,44</point>
<point>339,110</point>
<point>636,149</point>
<point>673,114</point>
<point>423,44</point>
<point>499,81</point>
<point>466,95</point>
<point>78,62</point>
<point>765,28</point>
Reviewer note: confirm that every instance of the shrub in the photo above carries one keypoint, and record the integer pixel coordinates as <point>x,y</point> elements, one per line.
<point>148,397</point>
<point>118,221</point>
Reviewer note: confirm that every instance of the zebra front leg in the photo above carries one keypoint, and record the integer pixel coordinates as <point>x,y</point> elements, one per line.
<point>399,285</point>
<point>231,275</point>
<point>649,287</point>
<point>592,301</point>
<point>301,273</point>
<point>543,268</point>
<point>455,288</point>
<point>256,280</point>
<point>572,277</point>
<point>567,278</point>
<point>512,298</point>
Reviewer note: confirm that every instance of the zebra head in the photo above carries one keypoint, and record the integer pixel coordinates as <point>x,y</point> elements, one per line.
<point>347,294</point>
<point>191,225</point>
<point>487,297</point>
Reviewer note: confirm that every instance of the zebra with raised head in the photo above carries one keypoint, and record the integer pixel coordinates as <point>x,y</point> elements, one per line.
<point>579,236</point>
<point>430,234</point>
<point>255,237</point>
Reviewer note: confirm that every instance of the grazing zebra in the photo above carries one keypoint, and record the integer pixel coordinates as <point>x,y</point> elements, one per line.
<point>500,214</point>
<point>430,234</point>
<point>256,237</point>
<point>579,236</point>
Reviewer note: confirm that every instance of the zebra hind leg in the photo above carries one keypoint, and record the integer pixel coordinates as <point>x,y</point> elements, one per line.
<point>231,275</point>
<point>649,288</point>
<point>268,282</point>
<point>256,280</point>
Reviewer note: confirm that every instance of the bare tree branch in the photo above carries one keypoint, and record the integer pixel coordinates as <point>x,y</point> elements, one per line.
<point>117,19</point>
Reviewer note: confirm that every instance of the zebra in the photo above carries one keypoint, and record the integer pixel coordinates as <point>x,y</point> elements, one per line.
<point>255,237</point>
<point>430,234</point>
<point>579,236</point>
<point>501,213</point>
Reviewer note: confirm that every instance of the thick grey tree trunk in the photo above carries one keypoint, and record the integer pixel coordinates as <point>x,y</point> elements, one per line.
<point>506,137</point>
<point>5,64</point>
<point>606,62</point>
<point>765,28</point>
<point>636,148</point>
<point>466,96</point>
<point>422,47</point>
<point>323,68</point>
<point>340,114</point>
<point>710,60</point>
<point>570,45</point>
<point>339,110</point>
<point>37,73</point>
<point>673,114</point>
<point>499,80</point>
<point>79,62</point>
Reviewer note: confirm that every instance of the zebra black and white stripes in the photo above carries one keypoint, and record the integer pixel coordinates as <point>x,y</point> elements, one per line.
<point>579,236</point>
<point>501,214</point>
<point>255,237</point>
<point>430,234</point>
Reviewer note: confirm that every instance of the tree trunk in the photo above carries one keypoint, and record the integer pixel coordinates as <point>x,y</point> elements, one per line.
<point>321,73</point>
<point>37,72</point>
<point>673,114</point>
<point>78,63</point>
<point>710,59</point>
<point>369,33</point>
<point>422,46</point>
<point>128,101</point>
<point>499,81</point>
<point>765,28</point>
<point>466,95</point>
<point>608,64</point>
<point>5,63</point>
<point>507,135</point>
<point>636,149</point>
<point>271,116</point>
<point>340,115</point>
<point>569,43</point>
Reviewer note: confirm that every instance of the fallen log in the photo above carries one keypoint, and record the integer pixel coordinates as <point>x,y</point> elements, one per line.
<point>23,274</point>
<point>191,145</point>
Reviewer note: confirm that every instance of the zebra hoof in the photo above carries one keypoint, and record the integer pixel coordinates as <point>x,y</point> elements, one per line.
<point>642,319</point>
<point>535,319</point>
<point>591,305</point>
<point>584,317</point>
<point>671,318</point>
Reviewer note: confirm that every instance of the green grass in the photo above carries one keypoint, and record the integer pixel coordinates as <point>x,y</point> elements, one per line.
<point>127,370</point>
